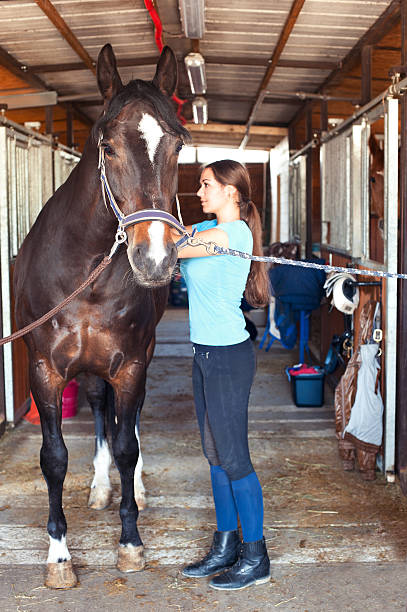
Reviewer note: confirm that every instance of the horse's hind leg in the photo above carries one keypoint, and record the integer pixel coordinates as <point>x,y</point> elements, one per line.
<point>54,463</point>
<point>101,490</point>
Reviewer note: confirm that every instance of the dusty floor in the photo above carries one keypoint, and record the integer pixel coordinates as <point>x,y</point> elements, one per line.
<point>336,542</point>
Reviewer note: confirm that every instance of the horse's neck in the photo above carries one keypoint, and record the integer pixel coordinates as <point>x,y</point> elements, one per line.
<point>81,194</point>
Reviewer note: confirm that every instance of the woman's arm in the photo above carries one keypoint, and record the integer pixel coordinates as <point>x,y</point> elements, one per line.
<point>211,235</point>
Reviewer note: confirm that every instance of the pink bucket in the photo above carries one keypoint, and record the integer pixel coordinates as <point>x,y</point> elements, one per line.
<point>70,399</point>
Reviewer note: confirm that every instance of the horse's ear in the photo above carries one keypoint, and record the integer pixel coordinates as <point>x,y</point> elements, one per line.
<point>166,74</point>
<point>109,80</point>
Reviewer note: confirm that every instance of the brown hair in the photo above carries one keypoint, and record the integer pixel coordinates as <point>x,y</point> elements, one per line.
<point>229,172</point>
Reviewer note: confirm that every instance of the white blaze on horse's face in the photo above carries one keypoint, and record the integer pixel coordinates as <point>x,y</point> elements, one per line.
<point>152,133</point>
<point>157,250</point>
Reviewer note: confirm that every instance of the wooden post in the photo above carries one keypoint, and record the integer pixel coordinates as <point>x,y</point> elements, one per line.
<point>69,126</point>
<point>324,116</point>
<point>49,119</point>
<point>366,85</point>
<point>401,420</point>
<point>308,204</point>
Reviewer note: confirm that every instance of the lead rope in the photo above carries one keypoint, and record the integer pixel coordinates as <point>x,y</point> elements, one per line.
<point>25,330</point>
<point>213,249</point>
<point>92,277</point>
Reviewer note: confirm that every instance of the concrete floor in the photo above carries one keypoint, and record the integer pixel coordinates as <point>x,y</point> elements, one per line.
<point>336,542</point>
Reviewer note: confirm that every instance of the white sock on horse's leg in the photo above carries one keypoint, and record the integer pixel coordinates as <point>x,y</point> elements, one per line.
<point>100,492</point>
<point>139,490</point>
<point>58,550</point>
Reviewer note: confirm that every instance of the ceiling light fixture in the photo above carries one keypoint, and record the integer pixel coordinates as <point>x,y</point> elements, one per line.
<point>200,110</point>
<point>195,65</point>
<point>192,17</point>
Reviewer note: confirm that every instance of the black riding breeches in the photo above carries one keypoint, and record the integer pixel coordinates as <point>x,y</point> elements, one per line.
<point>222,377</point>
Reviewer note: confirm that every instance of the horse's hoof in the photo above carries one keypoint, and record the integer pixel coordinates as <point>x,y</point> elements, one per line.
<point>141,500</point>
<point>60,575</point>
<point>130,558</point>
<point>99,498</point>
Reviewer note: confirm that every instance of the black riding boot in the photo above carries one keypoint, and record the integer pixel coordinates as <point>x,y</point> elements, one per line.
<point>253,567</point>
<point>224,553</point>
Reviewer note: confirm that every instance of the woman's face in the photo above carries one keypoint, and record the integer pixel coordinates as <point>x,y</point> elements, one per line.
<point>212,193</point>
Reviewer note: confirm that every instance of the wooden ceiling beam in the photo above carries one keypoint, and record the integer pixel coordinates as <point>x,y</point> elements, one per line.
<point>267,99</point>
<point>250,61</point>
<point>216,98</point>
<point>48,8</point>
<point>282,40</point>
<point>233,128</point>
<point>387,48</point>
<point>151,60</point>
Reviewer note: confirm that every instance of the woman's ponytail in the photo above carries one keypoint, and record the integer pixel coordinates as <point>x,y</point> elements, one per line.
<point>257,291</point>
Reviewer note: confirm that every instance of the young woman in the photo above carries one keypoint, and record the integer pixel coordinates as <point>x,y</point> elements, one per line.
<point>223,372</point>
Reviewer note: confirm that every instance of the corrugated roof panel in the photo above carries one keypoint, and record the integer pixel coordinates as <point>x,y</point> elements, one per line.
<point>276,113</point>
<point>224,111</point>
<point>330,30</point>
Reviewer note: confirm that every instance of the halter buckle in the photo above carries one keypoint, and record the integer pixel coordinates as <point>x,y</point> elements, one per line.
<point>120,237</point>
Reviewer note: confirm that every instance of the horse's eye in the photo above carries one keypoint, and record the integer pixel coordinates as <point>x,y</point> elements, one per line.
<point>179,147</point>
<point>372,179</point>
<point>107,149</point>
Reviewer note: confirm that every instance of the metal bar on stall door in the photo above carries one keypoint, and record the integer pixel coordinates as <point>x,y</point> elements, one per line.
<point>5,277</point>
<point>391,145</point>
<point>356,190</point>
<point>365,187</point>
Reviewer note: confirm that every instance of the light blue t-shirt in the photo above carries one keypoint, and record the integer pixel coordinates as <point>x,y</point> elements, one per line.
<point>215,288</point>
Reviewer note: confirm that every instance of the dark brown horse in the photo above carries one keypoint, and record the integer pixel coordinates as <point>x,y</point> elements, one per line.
<point>376,190</point>
<point>108,331</point>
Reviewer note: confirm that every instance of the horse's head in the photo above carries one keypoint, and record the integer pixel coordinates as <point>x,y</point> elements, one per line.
<point>376,181</point>
<point>141,138</point>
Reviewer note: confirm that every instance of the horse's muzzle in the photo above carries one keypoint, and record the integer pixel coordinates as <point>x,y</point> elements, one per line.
<point>152,266</point>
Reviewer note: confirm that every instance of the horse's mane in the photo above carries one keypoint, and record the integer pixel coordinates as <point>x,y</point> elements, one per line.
<point>145,90</point>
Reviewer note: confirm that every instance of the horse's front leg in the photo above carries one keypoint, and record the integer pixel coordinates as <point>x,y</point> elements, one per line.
<point>99,394</point>
<point>54,463</point>
<point>139,490</point>
<point>129,399</point>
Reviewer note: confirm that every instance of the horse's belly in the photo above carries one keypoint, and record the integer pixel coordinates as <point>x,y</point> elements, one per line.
<point>100,352</point>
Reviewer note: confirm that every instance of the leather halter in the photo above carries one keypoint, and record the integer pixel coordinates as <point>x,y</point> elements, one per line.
<point>146,214</point>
